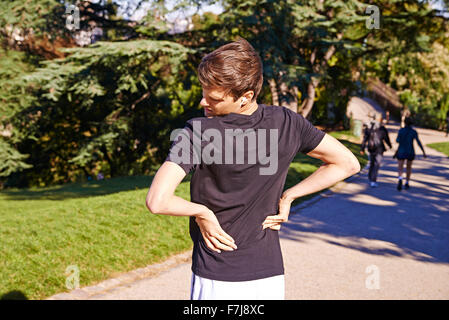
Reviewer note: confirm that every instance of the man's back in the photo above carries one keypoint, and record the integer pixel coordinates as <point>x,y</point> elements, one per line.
<point>241,178</point>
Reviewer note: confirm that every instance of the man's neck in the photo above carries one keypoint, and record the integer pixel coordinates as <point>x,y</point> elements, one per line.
<point>249,108</point>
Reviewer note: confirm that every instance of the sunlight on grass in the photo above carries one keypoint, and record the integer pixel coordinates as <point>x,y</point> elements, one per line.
<point>441,147</point>
<point>101,234</point>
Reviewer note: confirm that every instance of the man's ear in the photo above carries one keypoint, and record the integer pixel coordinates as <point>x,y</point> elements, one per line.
<point>247,96</point>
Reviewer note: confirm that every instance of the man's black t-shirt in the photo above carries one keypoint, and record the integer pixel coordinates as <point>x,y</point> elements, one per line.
<point>239,165</point>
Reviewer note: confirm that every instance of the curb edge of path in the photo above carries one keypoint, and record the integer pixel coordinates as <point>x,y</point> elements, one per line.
<point>124,279</point>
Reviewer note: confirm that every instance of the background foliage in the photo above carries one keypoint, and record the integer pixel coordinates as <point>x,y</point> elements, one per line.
<point>70,111</point>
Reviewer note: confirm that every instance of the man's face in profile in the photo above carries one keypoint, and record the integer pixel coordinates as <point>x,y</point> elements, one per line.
<point>216,102</point>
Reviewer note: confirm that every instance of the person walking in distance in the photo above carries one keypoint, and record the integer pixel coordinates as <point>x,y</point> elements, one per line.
<point>375,135</point>
<point>237,202</point>
<point>406,151</point>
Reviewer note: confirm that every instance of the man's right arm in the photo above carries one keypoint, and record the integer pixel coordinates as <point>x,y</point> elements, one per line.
<point>162,200</point>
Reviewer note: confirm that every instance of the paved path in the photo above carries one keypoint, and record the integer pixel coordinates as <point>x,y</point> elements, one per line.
<point>353,242</point>
<point>360,108</point>
<point>337,247</point>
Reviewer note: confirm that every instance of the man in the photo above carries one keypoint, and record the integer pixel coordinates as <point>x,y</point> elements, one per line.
<point>374,136</point>
<point>240,154</point>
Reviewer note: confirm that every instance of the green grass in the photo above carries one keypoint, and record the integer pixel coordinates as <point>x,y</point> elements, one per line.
<point>441,147</point>
<point>102,227</point>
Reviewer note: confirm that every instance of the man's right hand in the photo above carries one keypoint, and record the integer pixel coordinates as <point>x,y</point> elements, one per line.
<point>214,236</point>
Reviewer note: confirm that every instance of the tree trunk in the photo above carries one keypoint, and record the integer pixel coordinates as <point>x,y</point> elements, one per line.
<point>307,105</point>
<point>274,92</point>
<point>113,169</point>
<point>289,97</point>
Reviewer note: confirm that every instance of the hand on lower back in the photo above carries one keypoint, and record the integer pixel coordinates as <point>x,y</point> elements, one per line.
<point>274,222</point>
<point>214,236</point>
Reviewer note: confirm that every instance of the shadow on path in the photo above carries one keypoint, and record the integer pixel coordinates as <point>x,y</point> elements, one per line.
<point>411,223</point>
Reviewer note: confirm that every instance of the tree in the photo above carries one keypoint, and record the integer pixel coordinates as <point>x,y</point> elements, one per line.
<point>42,27</point>
<point>300,41</point>
<point>413,59</point>
<point>12,65</point>
<point>109,107</point>
<point>422,82</point>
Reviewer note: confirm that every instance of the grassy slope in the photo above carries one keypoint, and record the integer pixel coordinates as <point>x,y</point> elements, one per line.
<point>102,227</point>
<point>441,147</point>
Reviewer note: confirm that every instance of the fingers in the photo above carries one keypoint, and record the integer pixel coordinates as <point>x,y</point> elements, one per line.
<point>218,242</point>
<point>218,245</point>
<point>272,226</point>
<point>273,222</point>
<point>276,218</point>
<point>210,245</point>
<point>214,236</point>
<point>226,241</point>
<point>226,238</point>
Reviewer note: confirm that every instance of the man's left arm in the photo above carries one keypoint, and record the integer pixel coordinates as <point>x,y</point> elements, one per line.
<point>339,164</point>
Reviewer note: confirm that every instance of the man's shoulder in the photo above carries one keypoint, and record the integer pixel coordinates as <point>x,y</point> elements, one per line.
<point>203,121</point>
<point>279,109</point>
<point>282,113</point>
<point>273,113</point>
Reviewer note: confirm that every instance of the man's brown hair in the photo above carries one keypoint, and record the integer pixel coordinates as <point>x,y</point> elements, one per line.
<point>235,67</point>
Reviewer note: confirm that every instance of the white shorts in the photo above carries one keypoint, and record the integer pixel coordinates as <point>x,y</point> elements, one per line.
<point>271,288</point>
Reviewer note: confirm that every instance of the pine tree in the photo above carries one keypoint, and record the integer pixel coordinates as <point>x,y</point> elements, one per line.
<point>105,107</point>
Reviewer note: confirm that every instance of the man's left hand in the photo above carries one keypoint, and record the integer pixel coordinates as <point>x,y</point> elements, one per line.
<point>274,222</point>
